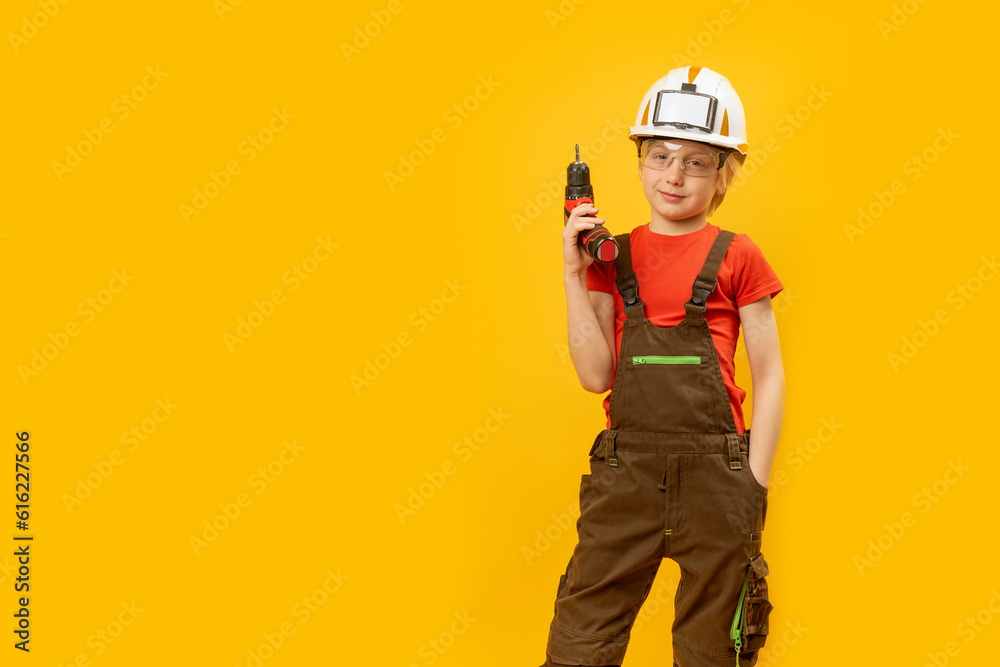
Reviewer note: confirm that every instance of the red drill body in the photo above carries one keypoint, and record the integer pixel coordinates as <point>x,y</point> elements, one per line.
<point>598,242</point>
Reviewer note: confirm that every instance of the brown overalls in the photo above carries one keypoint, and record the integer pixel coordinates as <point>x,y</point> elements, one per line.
<point>669,479</point>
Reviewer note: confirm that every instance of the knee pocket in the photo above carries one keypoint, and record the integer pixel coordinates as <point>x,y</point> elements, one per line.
<point>750,623</point>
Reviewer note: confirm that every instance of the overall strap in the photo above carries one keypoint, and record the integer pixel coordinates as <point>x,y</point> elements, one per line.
<point>707,278</point>
<point>626,281</point>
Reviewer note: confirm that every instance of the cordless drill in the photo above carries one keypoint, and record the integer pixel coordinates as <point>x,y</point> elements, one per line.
<point>598,242</point>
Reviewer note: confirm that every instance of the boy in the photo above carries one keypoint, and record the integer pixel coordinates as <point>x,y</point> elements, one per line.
<point>675,474</point>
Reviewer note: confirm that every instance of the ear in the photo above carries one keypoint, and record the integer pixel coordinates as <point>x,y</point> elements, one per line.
<point>720,183</point>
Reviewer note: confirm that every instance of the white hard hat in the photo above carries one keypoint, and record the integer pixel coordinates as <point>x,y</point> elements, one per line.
<point>692,103</point>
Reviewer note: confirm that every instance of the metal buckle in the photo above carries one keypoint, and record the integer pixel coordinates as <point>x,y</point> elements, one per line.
<point>628,287</point>
<point>700,294</point>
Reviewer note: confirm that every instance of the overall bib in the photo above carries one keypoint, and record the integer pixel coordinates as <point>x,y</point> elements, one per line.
<point>670,478</point>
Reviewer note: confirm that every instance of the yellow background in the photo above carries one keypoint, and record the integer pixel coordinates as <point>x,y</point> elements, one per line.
<point>847,94</point>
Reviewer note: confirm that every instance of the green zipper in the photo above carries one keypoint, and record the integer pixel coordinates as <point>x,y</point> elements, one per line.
<point>736,629</point>
<point>658,359</point>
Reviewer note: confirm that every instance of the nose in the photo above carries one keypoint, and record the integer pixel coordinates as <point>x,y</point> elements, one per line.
<point>673,172</point>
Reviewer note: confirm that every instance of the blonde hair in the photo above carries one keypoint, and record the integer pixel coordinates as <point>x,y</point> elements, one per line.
<point>728,172</point>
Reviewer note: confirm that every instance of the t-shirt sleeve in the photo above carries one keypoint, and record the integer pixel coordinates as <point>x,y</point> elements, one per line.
<point>753,277</point>
<point>599,277</point>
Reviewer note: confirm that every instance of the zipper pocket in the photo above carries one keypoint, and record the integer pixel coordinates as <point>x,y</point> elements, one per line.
<point>662,360</point>
<point>736,629</point>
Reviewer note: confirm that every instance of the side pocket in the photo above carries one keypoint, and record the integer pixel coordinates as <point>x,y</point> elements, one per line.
<point>749,629</point>
<point>563,580</point>
<point>561,590</point>
<point>745,463</point>
<point>597,443</point>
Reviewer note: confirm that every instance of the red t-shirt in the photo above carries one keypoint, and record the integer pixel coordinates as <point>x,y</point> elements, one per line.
<point>666,267</point>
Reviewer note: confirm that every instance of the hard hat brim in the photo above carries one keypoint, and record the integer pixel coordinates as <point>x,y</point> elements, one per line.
<point>638,133</point>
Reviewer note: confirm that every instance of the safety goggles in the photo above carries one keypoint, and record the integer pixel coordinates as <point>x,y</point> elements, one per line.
<point>697,162</point>
<point>685,109</point>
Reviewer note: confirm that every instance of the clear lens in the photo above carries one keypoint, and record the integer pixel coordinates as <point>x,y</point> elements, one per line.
<point>693,163</point>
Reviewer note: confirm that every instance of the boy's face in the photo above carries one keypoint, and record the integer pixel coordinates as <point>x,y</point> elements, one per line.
<point>674,195</point>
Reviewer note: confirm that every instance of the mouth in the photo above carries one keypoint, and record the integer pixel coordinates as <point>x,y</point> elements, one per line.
<point>671,197</point>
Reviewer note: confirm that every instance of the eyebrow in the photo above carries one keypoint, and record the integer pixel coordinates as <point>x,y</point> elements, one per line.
<point>692,152</point>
